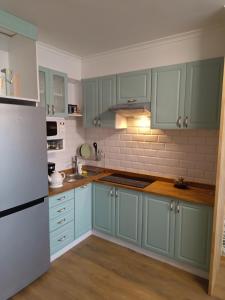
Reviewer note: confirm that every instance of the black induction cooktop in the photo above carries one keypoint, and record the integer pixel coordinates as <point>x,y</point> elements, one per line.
<point>138,182</point>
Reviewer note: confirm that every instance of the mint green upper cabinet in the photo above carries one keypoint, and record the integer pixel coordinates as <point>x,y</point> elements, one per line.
<point>90,96</point>
<point>59,97</point>
<point>44,89</point>
<point>193,234</point>
<point>104,208</point>
<point>168,92</point>
<point>134,87</point>
<point>17,25</point>
<point>107,98</point>
<point>53,92</point>
<point>129,215</point>
<point>158,224</point>
<point>203,93</point>
<point>83,210</point>
<point>187,95</point>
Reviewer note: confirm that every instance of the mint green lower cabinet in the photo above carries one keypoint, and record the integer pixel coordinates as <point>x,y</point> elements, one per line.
<point>61,220</point>
<point>158,224</point>
<point>104,208</point>
<point>83,210</point>
<point>129,215</point>
<point>193,234</point>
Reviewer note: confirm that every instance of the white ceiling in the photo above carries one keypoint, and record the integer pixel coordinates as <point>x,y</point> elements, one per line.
<point>86,27</point>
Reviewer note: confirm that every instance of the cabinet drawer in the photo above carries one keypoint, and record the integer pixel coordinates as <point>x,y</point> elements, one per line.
<point>60,221</point>
<point>61,237</point>
<point>62,209</point>
<point>60,198</point>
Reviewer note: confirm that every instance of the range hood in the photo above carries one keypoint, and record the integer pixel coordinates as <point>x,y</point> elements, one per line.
<point>131,110</point>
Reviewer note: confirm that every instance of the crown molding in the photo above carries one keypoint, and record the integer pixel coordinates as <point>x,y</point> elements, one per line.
<point>57,50</point>
<point>155,43</point>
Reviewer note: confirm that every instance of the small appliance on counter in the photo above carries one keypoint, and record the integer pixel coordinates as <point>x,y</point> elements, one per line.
<point>56,179</point>
<point>51,168</point>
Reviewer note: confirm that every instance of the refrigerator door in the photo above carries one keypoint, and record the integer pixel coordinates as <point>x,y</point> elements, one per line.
<point>24,251</point>
<point>23,155</point>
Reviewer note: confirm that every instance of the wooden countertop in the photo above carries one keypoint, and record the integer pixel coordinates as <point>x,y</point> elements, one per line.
<point>197,193</point>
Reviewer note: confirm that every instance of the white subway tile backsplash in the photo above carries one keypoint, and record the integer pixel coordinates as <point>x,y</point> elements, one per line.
<point>167,153</point>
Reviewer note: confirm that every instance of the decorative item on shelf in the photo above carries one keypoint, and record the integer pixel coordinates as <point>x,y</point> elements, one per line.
<point>74,110</point>
<point>181,184</point>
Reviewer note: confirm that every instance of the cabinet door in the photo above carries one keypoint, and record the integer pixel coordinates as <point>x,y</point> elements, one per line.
<point>107,98</point>
<point>168,93</point>
<point>83,208</point>
<point>44,89</point>
<point>129,215</point>
<point>59,90</point>
<point>203,93</point>
<point>90,96</point>
<point>134,87</point>
<point>104,208</point>
<point>158,225</point>
<point>193,234</point>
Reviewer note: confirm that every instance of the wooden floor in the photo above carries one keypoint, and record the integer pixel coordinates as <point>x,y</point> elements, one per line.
<point>100,270</point>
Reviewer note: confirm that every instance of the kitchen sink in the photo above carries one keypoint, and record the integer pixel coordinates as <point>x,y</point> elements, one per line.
<point>73,177</point>
<point>139,182</point>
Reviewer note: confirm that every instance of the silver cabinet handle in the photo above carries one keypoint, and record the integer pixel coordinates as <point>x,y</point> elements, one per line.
<point>62,198</point>
<point>179,122</point>
<point>131,100</point>
<point>61,210</point>
<point>116,194</point>
<point>83,186</point>
<point>111,193</point>
<point>178,208</point>
<point>62,238</point>
<point>99,122</point>
<point>53,109</point>
<point>48,109</point>
<point>171,205</point>
<point>186,122</point>
<point>61,221</point>
<point>94,122</point>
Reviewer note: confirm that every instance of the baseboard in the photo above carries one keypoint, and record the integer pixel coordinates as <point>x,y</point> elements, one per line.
<point>71,245</point>
<point>169,261</point>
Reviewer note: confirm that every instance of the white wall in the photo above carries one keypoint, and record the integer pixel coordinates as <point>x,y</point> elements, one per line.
<point>59,60</point>
<point>171,50</point>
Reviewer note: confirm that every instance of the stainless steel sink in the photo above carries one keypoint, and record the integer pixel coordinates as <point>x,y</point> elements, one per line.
<point>73,177</point>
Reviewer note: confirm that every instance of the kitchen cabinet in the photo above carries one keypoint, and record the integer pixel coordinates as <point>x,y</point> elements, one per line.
<point>158,224</point>
<point>104,208</point>
<point>99,96</point>
<point>203,93</point>
<point>61,220</point>
<point>83,210</point>
<point>134,87</point>
<point>177,229</point>
<point>18,76</point>
<point>53,92</point>
<point>90,96</point>
<point>128,215</point>
<point>193,234</point>
<point>168,94</point>
<point>187,95</point>
<point>163,225</point>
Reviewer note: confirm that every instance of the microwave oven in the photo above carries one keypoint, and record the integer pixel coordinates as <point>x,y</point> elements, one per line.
<point>55,129</point>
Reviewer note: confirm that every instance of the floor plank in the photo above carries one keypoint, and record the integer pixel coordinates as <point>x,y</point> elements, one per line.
<point>100,270</point>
